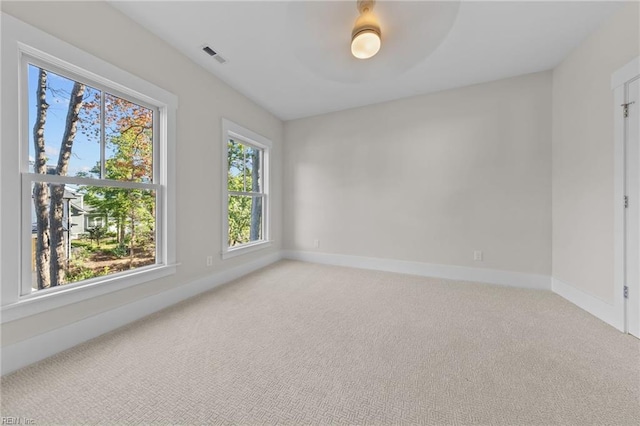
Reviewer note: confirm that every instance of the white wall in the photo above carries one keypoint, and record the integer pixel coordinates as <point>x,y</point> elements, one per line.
<point>428,179</point>
<point>583,162</point>
<point>425,179</point>
<point>104,32</point>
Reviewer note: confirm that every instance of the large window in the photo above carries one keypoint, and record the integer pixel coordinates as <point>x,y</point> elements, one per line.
<point>246,191</point>
<point>87,144</point>
<point>92,190</point>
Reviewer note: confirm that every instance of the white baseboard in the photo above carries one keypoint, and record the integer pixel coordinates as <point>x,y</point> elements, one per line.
<point>42,346</point>
<point>490,276</point>
<point>611,314</point>
<point>39,347</point>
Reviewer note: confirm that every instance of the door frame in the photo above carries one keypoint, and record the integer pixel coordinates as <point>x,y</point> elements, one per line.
<point>619,80</point>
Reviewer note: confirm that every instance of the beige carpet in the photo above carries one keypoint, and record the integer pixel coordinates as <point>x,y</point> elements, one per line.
<point>299,343</point>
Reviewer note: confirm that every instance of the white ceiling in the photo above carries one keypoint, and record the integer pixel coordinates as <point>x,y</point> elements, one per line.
<point>293,57</point>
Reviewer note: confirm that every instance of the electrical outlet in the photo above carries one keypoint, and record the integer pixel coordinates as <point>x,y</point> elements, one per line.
<point>477,255</point>
<point>316,243</point>
<point>209,260</point>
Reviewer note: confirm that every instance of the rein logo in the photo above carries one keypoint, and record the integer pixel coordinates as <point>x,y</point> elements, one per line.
<point>17,421</point>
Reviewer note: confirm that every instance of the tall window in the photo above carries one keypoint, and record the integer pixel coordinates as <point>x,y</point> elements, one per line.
<point>246,191</point>
<point>88,146</point>
<point>86,176</point>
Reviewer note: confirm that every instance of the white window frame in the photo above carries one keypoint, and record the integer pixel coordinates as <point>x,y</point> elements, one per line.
<point>22,43</point>
<point>231,130</point>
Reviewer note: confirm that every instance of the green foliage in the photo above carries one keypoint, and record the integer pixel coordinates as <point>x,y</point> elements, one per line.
<point>80,254</point>
<point>118,251</point>
<point>130,211</point>
<point>79,271</point>
<point>239,220</point>
<point>83,242</point>
<point>243,176</point>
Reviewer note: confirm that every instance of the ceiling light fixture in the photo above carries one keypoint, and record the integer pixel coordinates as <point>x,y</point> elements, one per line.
<point>365,37</point>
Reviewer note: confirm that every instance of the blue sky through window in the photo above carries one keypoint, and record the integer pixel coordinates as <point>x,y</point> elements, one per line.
<point>86,146</point>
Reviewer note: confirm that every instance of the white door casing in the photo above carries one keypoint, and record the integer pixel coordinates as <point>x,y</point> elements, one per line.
<point>632,219</point>
<point>624,83</point>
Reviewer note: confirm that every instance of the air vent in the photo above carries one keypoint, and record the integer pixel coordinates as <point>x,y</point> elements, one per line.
<point>209,51</point>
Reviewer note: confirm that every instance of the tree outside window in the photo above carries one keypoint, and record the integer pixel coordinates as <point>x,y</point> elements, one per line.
<point>99,147</point>
<point>245,191</point>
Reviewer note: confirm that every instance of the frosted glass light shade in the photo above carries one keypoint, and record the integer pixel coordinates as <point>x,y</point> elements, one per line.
<point>365,36</point>
<point>365,44</point>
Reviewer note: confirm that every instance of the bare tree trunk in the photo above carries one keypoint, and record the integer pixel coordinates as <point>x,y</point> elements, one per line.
<point>40,192</point>
<point>133,234</point>
<point>56,213</point>
<point>121,230</point>
<point>256,205</point>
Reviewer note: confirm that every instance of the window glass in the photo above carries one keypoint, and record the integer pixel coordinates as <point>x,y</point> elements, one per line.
<point>55,100</point>
<point>129,140</point>
<point>244,167</point>
<point>245,193</point>
<point>100,231</point>
<point>81,230</point>
<point>245,219</point>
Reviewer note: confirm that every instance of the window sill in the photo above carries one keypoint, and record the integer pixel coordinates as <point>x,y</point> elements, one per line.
<point>246,248</point>
<point>36,303</point>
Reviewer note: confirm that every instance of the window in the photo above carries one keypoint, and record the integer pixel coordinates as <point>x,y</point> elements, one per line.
<point>94,149</point>
<point>245,195</point>
<point>90,143</point>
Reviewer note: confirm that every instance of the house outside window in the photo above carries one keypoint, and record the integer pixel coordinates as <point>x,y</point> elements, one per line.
<point>94,221</point>
<point>245,192</point>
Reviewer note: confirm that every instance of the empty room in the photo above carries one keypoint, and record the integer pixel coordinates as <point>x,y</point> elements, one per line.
<point>320,212</point>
